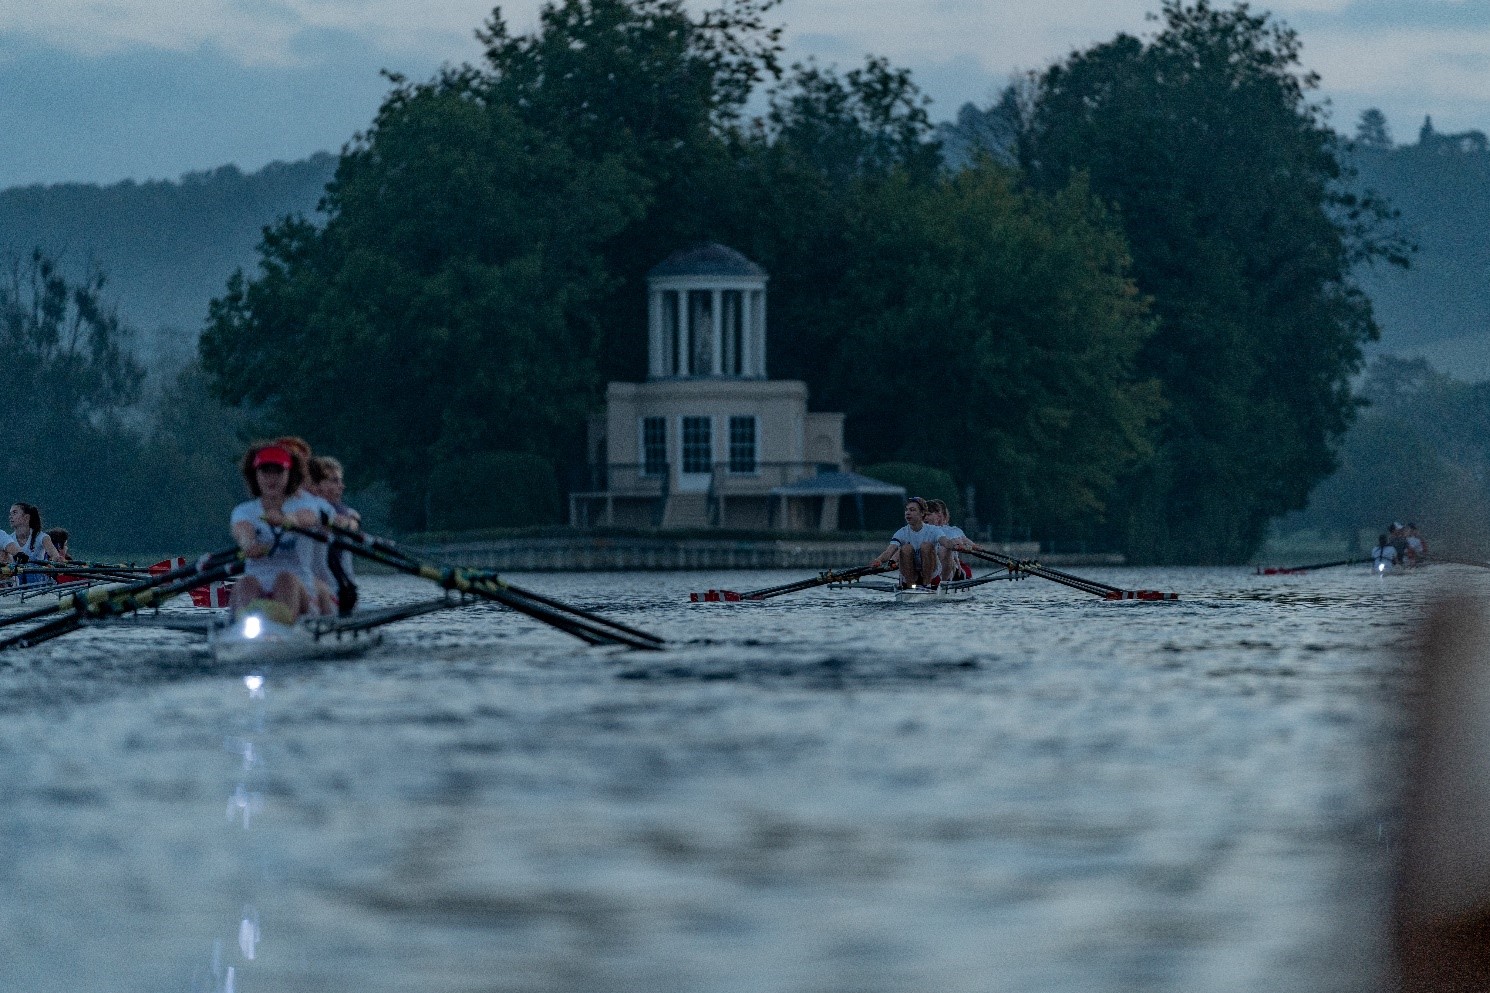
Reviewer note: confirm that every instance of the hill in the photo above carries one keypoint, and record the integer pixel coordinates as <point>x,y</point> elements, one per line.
<point>166,246</point>
<point>1439,308</point>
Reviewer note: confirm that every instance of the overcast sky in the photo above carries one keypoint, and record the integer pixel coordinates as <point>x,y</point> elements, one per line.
<point>104,90</point>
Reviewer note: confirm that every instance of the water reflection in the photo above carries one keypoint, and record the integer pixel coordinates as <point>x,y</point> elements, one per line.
<point>244,803</point>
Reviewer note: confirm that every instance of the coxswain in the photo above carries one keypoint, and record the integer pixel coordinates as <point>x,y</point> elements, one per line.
<point>29,543</point>
<point>913,547</point>
<point>275,570</point>
<point>1384,555</point>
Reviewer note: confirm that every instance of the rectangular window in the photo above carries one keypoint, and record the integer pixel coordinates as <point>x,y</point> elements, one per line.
<point>654,446</point>
<point>698,445</point>
<point>742,444</point>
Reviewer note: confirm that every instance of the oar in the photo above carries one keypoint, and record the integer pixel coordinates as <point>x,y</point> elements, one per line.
<point>1288,570</point>
<point>821,579</point>
<point>78,602</point>
<point>1103,590</point>
<point>967,584</point>
<point>412,562</point>
<point>1451,560</point>
<point>124,599</point>
<point>583,624</point>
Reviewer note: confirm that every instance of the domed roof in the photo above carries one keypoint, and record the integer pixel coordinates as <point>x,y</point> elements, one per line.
<point>707,259</point>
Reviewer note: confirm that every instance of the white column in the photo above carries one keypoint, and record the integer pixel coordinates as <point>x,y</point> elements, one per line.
<point>683,318</point>
<point>654,334</point>
<point>716,361</point>
<point>758,330</point>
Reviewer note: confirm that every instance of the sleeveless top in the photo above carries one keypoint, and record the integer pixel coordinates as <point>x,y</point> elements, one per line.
<point>34,551</point>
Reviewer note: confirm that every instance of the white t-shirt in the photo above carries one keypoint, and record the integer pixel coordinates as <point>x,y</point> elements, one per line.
<point>1384,555</point>
<point>287,556</point>
<point>915,539</point>
<point>315,551</point>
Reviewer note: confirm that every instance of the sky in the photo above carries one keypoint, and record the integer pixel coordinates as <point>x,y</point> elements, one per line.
<point>107,90</point>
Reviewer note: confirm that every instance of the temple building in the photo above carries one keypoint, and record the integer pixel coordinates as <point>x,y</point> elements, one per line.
<point>708,440</point>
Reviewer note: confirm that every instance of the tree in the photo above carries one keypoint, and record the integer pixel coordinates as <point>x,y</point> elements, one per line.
<point>484,241</point>
<point>991,332</point>
<point>661,90</point>
<point>455,271</point>
<point>1371,131</point>
<point>1227,182</point>
<point>65,444</point>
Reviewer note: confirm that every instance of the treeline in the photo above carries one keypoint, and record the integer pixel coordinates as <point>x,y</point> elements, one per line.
<point>1137,329</point>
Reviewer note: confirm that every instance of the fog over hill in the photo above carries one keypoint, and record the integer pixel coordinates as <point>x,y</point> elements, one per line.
<point>168,247</point>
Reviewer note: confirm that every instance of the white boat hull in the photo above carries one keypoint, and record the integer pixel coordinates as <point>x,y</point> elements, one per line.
<point>926,596</point>
<point>254,638</point>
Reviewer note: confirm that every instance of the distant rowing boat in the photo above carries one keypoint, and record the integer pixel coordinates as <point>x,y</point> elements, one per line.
<point>922,595</point>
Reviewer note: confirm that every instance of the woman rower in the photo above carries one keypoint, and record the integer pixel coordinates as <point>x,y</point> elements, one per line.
<point>29,543</point>
<point>323,590</point>
<point>276,579</point>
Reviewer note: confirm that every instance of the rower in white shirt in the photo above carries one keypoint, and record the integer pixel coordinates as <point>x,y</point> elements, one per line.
<point>913,547</point>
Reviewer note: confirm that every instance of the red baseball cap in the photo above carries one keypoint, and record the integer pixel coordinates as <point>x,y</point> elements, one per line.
<point>273,455</point>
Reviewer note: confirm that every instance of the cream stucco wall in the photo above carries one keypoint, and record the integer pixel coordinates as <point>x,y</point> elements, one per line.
<point>779,405</point>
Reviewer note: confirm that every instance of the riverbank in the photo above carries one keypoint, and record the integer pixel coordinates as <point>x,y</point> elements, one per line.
<point>581,551</point>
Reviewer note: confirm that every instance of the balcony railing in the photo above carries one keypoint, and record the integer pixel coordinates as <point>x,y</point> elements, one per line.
<point>632,479</point>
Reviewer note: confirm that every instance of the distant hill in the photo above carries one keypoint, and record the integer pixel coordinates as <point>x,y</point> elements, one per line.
<point>1440,308</point>
<point>167,247</point>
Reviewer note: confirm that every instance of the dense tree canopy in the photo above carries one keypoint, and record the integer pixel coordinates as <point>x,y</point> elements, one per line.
<point>485,244</point>
<point>1226,180</point>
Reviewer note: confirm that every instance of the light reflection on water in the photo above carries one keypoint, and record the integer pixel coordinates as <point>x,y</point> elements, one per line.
<point>1035,790</point>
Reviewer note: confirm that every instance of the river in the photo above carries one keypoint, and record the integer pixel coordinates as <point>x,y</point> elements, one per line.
<point>825,793</point>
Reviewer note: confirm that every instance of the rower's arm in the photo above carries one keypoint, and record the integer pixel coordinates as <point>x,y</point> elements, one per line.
<point>891,550</point>
<point>243,534</point>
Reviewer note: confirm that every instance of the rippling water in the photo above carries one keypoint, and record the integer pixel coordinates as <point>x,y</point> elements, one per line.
<point>1032,791</point>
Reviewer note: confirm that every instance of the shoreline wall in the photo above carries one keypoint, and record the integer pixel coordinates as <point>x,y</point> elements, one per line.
<point>584,553</point>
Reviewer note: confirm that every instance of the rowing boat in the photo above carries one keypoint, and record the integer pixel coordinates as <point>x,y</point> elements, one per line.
<point>925,595</point>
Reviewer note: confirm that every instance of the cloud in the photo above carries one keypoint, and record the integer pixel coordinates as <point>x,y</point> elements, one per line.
<point>255,32</point>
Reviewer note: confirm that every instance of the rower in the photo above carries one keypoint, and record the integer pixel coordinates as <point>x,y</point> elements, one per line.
<point>1417,549</point>
<point>276,579</point>
<point>952,540</point>
<point>314,551</point>
<point>59,538</point>
<point>913,547</point>
<point>29,543</point>
<point>328,482</point>
<point>1384,555</point>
